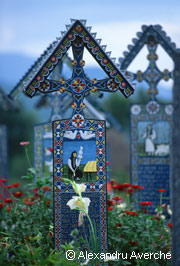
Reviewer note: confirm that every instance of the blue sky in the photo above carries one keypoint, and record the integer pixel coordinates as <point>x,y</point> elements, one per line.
<point>29,26</point>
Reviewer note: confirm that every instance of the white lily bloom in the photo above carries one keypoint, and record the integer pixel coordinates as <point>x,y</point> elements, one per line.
<point>162,217</point>
<point>79,203</point>
<point>79,188</point>
<point>121,205</point>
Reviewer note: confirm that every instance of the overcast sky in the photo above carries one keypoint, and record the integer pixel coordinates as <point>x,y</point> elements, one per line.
<point>29,26</point>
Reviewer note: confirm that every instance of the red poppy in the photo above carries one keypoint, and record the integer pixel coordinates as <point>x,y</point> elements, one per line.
<point>170,225</point>
<point>162,190</point>
<point>1,205</point>
<point>3,180</point>
<point>8,200</point>
<point>18,194</point>
<point>46,188</point>
<point>117,198</point>
<point>146,203</point>
<point>50,149</point>
<point>109,208</point>
<point>107,163</point>
<point>24,143</point>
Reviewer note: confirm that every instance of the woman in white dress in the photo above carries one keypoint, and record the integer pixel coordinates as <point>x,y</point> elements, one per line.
<point>149,136</point>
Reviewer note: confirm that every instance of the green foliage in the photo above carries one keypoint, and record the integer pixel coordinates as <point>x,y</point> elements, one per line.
<point>22,124</point>
<point>26,231</point>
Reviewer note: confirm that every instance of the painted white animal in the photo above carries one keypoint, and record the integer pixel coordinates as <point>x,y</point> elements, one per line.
<point>86,134</point>
<point>162,149</point>
<point>47,152</point>
<point>47,135</point>
<point>70,134</point>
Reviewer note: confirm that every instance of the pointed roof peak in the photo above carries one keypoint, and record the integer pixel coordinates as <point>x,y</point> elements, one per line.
<point>137,43</point>
<point>56,51</point>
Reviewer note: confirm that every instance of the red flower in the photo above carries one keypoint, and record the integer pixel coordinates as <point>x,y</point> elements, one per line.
<point>9,209</point>
<point>47,202</point>
<point>109,208</point>
<point>112,182</point>
<point>50,149</point>
<point>137,187</point>
<point>146,203</point>
<point>155,217</point>
<point>8,200</point>
<point>130,191</point>
<point>133,213</point>
<point>46,188</point>
<point>18,194</point>
<point>133,243</point>
<point>30,203</point>
<point>111,203</point>
<point>119,187</point>
<point>162,190</point>
<point>35,190</point>
<point>3,180</point>
<point>13,185</point>
<point>117,198</point>
<point>1,205</point>
<point>24,143</point>
<point>125,185</point>
<point>107,163</point>
<point>170,225</point>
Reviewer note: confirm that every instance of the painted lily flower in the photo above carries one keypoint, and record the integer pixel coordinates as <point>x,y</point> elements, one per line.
<point>78,203</point>
<point>79,188</point>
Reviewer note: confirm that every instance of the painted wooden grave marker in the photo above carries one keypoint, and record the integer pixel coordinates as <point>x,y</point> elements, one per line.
<point>151,124</point>
<point>79,143</point>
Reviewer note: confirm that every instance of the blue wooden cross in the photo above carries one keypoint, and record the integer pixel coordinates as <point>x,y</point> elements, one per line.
<point>72,135</point>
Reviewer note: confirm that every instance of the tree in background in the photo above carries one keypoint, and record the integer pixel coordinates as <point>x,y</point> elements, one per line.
<point>20,128</point>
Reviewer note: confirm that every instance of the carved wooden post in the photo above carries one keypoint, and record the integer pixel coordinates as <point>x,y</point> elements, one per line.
<point>175,184</point>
